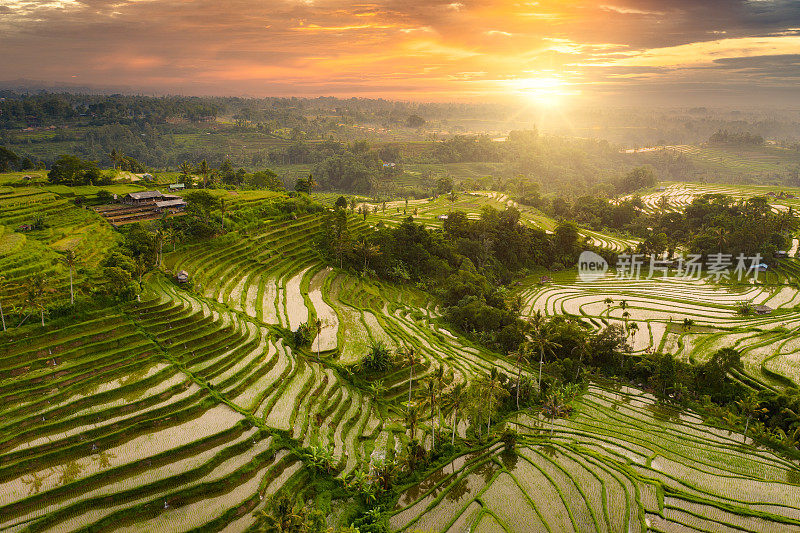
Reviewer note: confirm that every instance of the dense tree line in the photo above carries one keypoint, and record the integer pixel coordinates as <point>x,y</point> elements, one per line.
<point>467,263</point>
<point>736,138</point>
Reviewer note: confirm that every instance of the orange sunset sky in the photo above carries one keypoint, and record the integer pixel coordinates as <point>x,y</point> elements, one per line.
<point>625,50</point>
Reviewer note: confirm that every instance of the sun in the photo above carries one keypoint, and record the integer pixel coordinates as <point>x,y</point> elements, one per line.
<point>547,91</point>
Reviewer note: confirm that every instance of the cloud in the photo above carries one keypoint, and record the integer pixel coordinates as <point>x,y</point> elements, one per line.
<point>398,48</point>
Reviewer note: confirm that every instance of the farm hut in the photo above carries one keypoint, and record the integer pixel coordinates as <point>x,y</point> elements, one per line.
<point>182,277</point>
<point>25,227</point>
<point>171,206</point>
<point>763,309</point>
<point>762,267</point>
<point>781,254</point>
<point>143,197</point>
<point>176,186</point>
<point>442,217</point>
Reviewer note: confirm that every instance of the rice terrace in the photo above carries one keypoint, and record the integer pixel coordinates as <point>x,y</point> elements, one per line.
<point>332,267</point>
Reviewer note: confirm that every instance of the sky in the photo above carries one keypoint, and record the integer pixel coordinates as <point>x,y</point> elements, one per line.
<point>548,52</point>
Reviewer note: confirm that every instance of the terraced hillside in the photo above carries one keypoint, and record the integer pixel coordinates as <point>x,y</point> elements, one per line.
<point>677,196</point>
<point>659,306</point>
<point>275,278</point>
<point>58,225</point>
<point>115,422</point>
<point>757,160</point>
<point>433,212</point>
<point>619,463</point>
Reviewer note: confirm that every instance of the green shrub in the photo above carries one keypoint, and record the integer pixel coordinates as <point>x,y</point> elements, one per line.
<point>379,358</point>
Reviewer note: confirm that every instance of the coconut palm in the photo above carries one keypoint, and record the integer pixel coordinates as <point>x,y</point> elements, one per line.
<point>411,416</point>
<point>543,344</point>
<point>69,259</point>
<point>521,355</point>
<point>411,360</point>
<point>794,423</point>
<point>186,170</point>
<point>35,289</point>
<point>581,350</point>
<point>366,250</point>
<point>633,329</point>
<point>749,407</point>
<point>2,316</point>
<point>492,392</point>
<point>117,158</point>
<point>223,206</point>
<point>431,389</point>
<point>721,237</point>
<point>455,400</point>
<point>319,325</point>
<point>663,204</point>
<point>205,170</point>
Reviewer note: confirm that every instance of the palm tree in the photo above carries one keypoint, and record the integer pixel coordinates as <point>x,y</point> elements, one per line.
<point>721,237</point>
<point>494,392</point>
<point>366,250</point>
<point>116,158</point>
<point>633,329</point>
<point>432,400</point>
<point>141,268</point>
<point>35,288</point>
<point>539,326</point>
<point>205,170</point>
<point>581,349</point>
<point>456,398</point>
<point>69,259</point>
<point>319,325</point>
<point>2,316</point>
<point>186,170</point>
<point>169,235</point>
<point>608,301</point>
<point>412,419</point>
<point>663,204</point>
<point>749,407</point>
<point>522,354</point>
<point>411,360</point>
<point>794,424</point>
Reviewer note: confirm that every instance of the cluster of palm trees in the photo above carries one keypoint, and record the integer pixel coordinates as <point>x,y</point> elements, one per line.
<point>36,290</point>
<point>203,169</point>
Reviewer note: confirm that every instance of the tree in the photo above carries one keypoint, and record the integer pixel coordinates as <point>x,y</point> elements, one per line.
<point>750,407</point>
<point>490,393</point>
<point>305,185</point>
<point>223,206</point>
<point>71,170</point>
<point>366,250</point>
<point>415,121</point>
<point>69,259</point>
<point>411,360</point>
<point>2,316</point>
<point>455,399</point>
<point>116,158</point>
<point>432,401</point>
<point>35,289</point>
<point>341,203</point>
<point>7,158</point>
<point>205,170</point>
<point>411,416</point>
<point>522,355</point>
<point>540,339</point>
<point>186,171</point>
